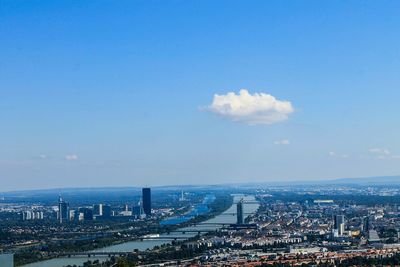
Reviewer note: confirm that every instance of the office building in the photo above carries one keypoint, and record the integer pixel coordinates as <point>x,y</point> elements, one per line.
<point>240,215</point>
<point>339,224</point>
<point>72,215</point>
<point>182,198</point>
<point>26,215</point>
<point>98,209</point>
<point>87,214</point>
<point>63,210</point>
<point>39,215</point>
<point>32,215</point>
<point>77,216</point>
<point>146,200</point>
<point>106,211</point>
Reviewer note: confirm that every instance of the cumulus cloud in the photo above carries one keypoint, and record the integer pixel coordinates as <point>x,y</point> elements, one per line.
<point>379,151</point>
<point>252,109</point>
<point>383,153</point>
<point>282,142</point>
<point>71,157</point>
<point>336,155</point>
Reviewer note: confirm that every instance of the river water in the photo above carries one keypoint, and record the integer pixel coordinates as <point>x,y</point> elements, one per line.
<point>226,217</point>
<point>198,209</point>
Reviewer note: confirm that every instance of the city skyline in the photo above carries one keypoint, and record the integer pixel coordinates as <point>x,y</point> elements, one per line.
<point>136,94</point>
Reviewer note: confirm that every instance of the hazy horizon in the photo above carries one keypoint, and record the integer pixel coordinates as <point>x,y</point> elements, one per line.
<point>185,92</point>
<point>328,181</point>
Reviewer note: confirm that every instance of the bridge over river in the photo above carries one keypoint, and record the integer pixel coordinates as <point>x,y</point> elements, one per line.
<point>211,225</point>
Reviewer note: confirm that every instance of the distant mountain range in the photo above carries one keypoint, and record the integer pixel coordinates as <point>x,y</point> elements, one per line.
<point>379,180</point>
<point>94,190</point>
<point>362,181</point>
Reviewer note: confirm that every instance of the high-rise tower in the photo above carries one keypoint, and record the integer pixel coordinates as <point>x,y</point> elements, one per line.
<point>240,215</point>
<point>146,199</point>
<point>63,210</point>
<point>339,224</point>
<point>98,209</point>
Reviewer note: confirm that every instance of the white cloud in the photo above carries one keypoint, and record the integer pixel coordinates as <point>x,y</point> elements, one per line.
<point>282,142</point>
<point>379,151</point>
<point>43,156</point>
<point>71,157</point>
<point>257,108</point>
<point>383,153</point>
<point>336,155</point>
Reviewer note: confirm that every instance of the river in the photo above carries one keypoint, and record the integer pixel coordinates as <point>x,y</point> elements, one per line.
<point>225,217</point>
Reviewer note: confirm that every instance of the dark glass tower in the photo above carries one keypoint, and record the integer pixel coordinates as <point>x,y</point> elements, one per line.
<point>106,211</point>
<point>339,224</point>
<point>63,210</point>
<point>146,198</point>
<point>240,215</point>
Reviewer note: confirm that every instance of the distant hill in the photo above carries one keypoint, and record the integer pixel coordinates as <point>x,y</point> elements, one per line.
<point>379,180</point>
<point>362,181</point>
<point>96,190</point>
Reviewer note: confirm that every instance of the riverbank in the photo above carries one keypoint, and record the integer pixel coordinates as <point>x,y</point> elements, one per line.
<point>219,205</point>
<point>177,250</point>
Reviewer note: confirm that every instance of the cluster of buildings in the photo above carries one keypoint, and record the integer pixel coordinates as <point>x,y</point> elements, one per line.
<point>104,211</point>
<point>65,214</point>
<point>339,226</point>
<point>32,215</point>
<point>291,257</point>
<point>302,232</point>
<point>24,212</point>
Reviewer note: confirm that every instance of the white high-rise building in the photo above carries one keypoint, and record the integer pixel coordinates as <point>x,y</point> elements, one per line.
<point>98,209</point>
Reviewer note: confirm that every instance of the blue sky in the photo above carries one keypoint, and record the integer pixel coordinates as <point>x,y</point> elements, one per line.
<point>120,93</point>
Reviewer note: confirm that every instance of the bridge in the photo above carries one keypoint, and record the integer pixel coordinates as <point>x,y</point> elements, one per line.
<point>248,202</point>
<point>211,224</point>
<point>192,231</point>
<point>93,254</point>
<point>167,238</point>
<point>235,213</point>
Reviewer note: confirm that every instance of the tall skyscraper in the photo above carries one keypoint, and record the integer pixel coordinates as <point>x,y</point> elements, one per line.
<point>137,210</point>
<point>339,224</point>
<point>182,198</point>
<point>86,213</point>
<point>106,211</point>
<point>240,215</point>
<point>146,198</point>
<point>63,210</point>
<point>98,209</point>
